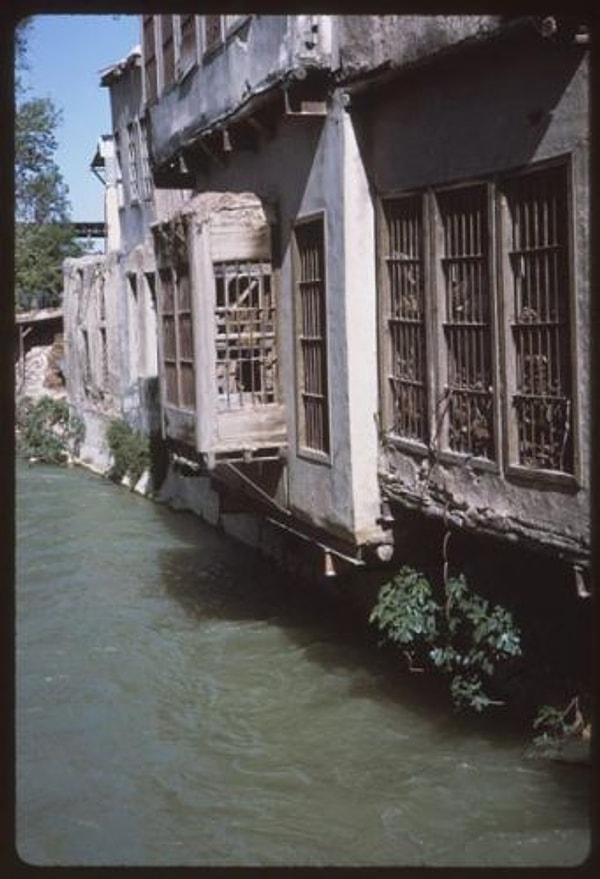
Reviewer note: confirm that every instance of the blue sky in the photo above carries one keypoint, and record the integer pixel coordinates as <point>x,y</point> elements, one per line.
<point>65,55</point>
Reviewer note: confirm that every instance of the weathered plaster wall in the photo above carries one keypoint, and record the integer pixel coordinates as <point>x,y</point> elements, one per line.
<point>368,42</point>
<point>303,171</point>
<point>257,54</point>
<point>93,392</point>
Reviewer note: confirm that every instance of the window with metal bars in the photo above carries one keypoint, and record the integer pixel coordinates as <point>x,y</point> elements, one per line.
<point>538,255</point>
<point>213,32</point>
<point>146,173</point>
<point>150,71</point>
<point>177,337</point>
<point>168,50</point>
<point>405,317</point>
<point>187,42</point>
<point>467,329</point>
<point>132,148</point>
<point>245,326</point>
<point>312,336</point>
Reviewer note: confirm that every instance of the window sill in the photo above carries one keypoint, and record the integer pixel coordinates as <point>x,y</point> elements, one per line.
<point>548,479</point>
<point>403,444</point>
<point>314,456</point>
<point>458,459</point>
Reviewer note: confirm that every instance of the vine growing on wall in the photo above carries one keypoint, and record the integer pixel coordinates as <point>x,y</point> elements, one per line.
<point>458,632</point>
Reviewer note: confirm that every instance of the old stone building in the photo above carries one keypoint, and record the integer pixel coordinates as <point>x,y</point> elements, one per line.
<point>426,180</point>
<point>353,251</point>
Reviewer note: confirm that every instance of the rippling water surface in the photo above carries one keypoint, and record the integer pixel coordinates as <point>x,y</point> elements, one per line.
<point>179,704</point>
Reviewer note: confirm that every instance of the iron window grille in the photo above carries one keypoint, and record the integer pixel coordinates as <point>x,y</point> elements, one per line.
<point>146,181</point>
<point>405,317</point>
<point>150,70</point>
<point>312,336</point>
<point>133,162</point>
<point>187,42</point>
<point>538,255</point>
<point>177,337</point>
<point>467,327</point>
<point>168,50</point>
<point>245,326</point>
<point>213,32</point>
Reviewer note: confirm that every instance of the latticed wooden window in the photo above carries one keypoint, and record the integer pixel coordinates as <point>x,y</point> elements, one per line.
<point>539,269</point>
<point>245,317</point>
<point>177,337</point>
<point>213,33</point>
<point>407,368</point>
<point>149,58</point>
<point>467,327</point>
<point>312,336</point>
<point>168,49</point>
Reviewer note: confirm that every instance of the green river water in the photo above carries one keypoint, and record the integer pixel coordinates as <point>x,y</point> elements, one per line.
<point>180,702</point>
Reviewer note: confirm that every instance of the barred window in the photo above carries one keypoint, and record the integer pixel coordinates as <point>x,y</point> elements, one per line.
<point>539,278</point>
<point>146,181</point>
<point>177,337</point>
<point>213,34</point>
<point>245,317</point>
<point>149,58</point>
<point>132,147</point>
<point>467,329</point>
<point>187,41</point>
<point>312,336</point>
<point>168,49</point>
<point>405,317</point>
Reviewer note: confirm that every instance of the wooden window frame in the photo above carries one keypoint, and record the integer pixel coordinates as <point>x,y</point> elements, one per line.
<point>515,469</point>
<point>388,374</point>
<point>185,60</point>
<point>119,171</point>
<point>167,52</point>
<point>150,59</point>
<point>448,391</point>
<point>501,344</point>
<point>146,180</point>
<point>178,359</point>
<point>245,335</point>
<point>210,42</point>
<point>322,451</point>
<point>133,175</point>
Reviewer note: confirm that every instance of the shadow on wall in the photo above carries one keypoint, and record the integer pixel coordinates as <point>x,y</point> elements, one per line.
<point>478,111</point>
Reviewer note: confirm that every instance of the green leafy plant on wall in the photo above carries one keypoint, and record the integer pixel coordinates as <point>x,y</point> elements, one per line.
<point>129,449</point>
<point>461,634</point>
<point>48,430</point>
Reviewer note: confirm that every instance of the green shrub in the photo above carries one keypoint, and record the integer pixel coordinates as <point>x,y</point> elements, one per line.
<point>49,430</point>
<point>129,449</point>
<point>461,635</point>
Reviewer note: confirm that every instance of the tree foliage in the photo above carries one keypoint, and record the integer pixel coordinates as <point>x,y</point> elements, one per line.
<point>48,430</point>
<point>130,451</point>
<point>44,237</point>
<point>459,633</point>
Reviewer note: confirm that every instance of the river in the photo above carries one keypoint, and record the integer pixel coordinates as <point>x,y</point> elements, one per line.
<point>178,702</point>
